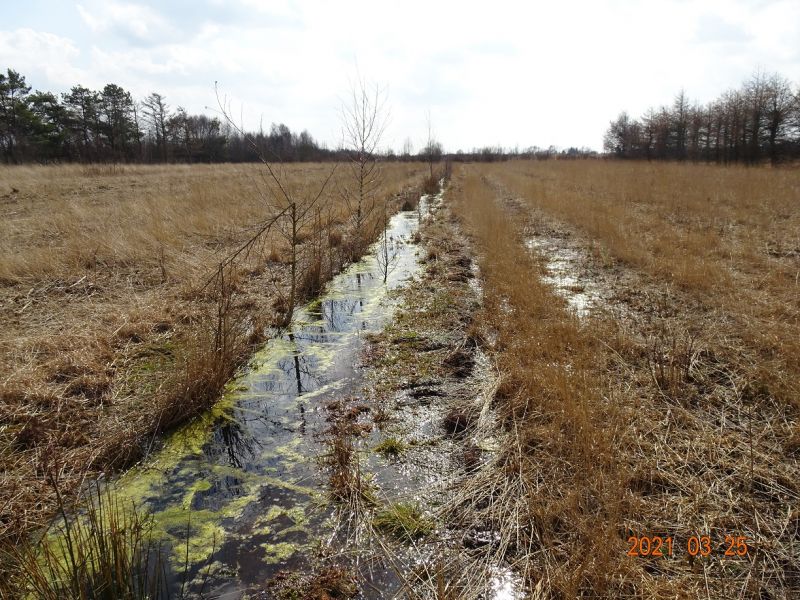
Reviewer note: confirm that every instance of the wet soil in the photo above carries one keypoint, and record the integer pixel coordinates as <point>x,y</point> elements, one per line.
<point>327,466</point>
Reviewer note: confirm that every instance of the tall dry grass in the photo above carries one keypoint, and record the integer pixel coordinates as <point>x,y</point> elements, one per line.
<point>109,552</point>
<point>111,333</point>
<point>662,416</point>
<point>728,236</point>
<point>555,491</point>
<point>161,220</point>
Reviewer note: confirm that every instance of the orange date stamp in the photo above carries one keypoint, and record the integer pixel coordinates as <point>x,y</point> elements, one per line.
<point>733,546</point>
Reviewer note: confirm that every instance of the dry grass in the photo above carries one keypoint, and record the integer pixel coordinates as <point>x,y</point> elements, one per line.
<point>350,487</point>
<point>109,333</point>
<point>328,583</point>
<point>109,553</point>
<point>669,417</point>
<point>554,489</point>
<point>730,237</point>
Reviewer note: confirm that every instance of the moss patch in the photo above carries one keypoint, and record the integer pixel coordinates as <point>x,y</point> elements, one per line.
<point>277,553</point>
<point>391,447</point>
<point>404,521</point>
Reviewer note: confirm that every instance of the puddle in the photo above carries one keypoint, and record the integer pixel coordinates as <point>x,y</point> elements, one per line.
<point>244,479</point>
<point>431,462</point>
<point>563,259</point>
<point>504,585</point>
<point>564,266</point>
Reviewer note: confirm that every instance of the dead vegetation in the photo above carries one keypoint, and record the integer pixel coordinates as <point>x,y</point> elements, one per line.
<point>663,414</point>
<point>114,329</point>
<point>671,410</point>
<point>349,485</point>
<point>553,490</point>
<point>429,373</point>
<point>728,237</point>
<point>109,553</point>
<point>328,583</point>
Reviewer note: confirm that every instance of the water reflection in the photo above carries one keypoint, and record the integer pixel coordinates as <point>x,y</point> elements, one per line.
<point>229,443</point>
<point>256,459</point>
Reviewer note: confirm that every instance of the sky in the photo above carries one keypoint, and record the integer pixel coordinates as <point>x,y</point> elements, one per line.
<point>485,73</point>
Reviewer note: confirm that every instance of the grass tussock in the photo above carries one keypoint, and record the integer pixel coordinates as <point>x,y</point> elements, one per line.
<point>349,486</point>
<point>391,447</point>
<point>403,520</point>
<point>430,185</point>
<point>108,552</point>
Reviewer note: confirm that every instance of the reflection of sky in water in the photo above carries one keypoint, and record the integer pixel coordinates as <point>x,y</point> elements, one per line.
<point>259,453</point>
<point>505,585</point>
<point>563,274</point>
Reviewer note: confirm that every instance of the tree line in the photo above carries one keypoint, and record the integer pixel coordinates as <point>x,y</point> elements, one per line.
<point>758,122</point>
<point>110,125</point>
<point>499,153</point>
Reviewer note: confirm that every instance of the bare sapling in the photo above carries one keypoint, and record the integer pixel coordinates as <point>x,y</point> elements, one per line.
<point>364,120</point>
<point>432,153</point>
<point>386,252</point>
<point>291,209</point>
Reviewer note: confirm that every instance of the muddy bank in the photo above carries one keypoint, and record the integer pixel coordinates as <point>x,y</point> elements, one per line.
<point>434,387</point>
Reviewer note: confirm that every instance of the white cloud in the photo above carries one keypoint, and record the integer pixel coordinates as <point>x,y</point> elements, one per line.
<point>284,10</point>
<point>45,58</point>
<point>132,20</point>
<point>506,73</point>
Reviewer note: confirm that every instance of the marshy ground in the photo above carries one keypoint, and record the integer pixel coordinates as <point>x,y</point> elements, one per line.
<point>588,354</point>
<point>108,322</point>
<point>645,330</point>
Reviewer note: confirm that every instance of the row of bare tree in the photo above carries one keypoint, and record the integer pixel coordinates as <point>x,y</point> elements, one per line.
<point>757,122</point>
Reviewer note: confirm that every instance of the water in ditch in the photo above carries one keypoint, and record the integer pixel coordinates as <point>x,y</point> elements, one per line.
<point>239,494</point>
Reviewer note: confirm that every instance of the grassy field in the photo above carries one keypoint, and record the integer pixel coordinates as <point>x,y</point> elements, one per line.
<point>671,409</point>
<point>667,407</point>
<point>729,238</point>
<point>110,331</point>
